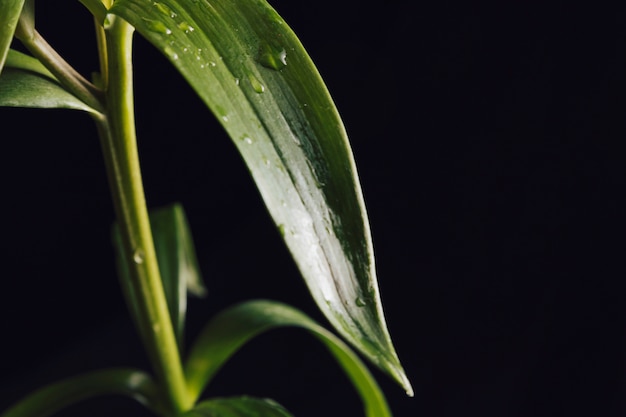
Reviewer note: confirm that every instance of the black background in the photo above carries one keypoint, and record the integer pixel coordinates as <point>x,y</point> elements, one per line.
<point>488,140</point>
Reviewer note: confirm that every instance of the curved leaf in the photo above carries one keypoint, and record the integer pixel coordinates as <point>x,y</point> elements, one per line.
<point>24,82</point>
<point>253,73</point>
<point>238,407</point>
<point>234,327</point>
<point>10,11</point>
<point>48,400</point>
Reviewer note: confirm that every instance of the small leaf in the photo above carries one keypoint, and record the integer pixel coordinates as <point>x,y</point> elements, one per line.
<point>254,74</point>
<point>234,327</point>
<point>24,82</point>
<point>10,11</point>
<point>54,397</point>
<point>238,407</point>
<point>178,265</point>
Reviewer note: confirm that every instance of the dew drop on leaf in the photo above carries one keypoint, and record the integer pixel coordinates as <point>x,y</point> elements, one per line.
<point>271,57</point>
<point>139,256</point>
<point>256,84</point>
<point>171,53</point>
<point>185,27</point>
<point>164,9</point>
<point>158,27</point>
<point>360,302</point>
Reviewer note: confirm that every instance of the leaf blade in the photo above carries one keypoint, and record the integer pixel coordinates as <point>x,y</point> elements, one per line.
<point>234,327</point>
<point>48,400</point>
<point>10,11</point>
<point>178,266</point>
<point>238,407</point>
<point>24,82</point>
<point>253,73</point>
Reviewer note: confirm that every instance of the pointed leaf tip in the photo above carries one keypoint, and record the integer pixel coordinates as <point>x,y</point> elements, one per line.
<point>251,70</point>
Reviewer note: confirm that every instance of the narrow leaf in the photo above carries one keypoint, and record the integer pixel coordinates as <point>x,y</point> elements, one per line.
<point>253,73</point>
<point>52,398</point>
<point>231,329</point>
<point>177,264</point>
<point>238,407</point>
<point>24,82</point>
<point>9,15</point>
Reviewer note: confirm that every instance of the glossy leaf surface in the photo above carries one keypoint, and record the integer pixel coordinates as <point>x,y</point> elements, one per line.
<point>54,397</point>
<point>253,73</point>
<point>9,15</point>
<point>236,326</point>
<point>238,407</point>
<point>177,264</point>
<point>24,82</point>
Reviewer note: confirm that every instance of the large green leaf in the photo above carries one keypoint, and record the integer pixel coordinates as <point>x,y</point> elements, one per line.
<point>234,327</point>
<point>253,73</point>
<point>54,397</point>
<point>178,266</point>
<point>9,15</point>
<point>25,82</point>
<point>238,407</point>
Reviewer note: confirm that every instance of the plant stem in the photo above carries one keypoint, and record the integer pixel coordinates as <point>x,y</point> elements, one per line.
<point>73,81</point>
<point>117,133</point>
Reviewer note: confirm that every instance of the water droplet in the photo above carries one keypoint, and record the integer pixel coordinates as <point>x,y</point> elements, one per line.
<point>272,57</point>
<point>164,9</point>
<point>248,140</point>
<point>171,53</point>
<point>108,20</point>
<point>158,27</point>
<point>236,81</point>
<point>139,256</point>
<point>267,162</point>
<point>360,302</point>
<point>225,118</point>
<point>256,84</point>
<point>186,27</point>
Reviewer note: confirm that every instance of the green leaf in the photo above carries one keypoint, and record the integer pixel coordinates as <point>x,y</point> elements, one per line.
<point>253,73</point>
<point>10,11</point>
<point>178,266</point>
<point>54,397</point>
<point>234,327</point>
<point>24,82</point>
<point>238,407</point>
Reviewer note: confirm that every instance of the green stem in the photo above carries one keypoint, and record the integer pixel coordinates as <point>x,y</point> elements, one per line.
<point>71,79</point>
<point>117,132</point>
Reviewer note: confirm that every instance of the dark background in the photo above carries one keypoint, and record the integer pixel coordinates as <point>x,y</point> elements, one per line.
<point>489,144</point>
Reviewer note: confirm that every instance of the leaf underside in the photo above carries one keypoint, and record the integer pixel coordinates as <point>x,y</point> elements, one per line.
<point>234,327</point>
<point>24,82</point>
<point>238,407</point>
<point>56,396</point>
<point>253,73</point>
